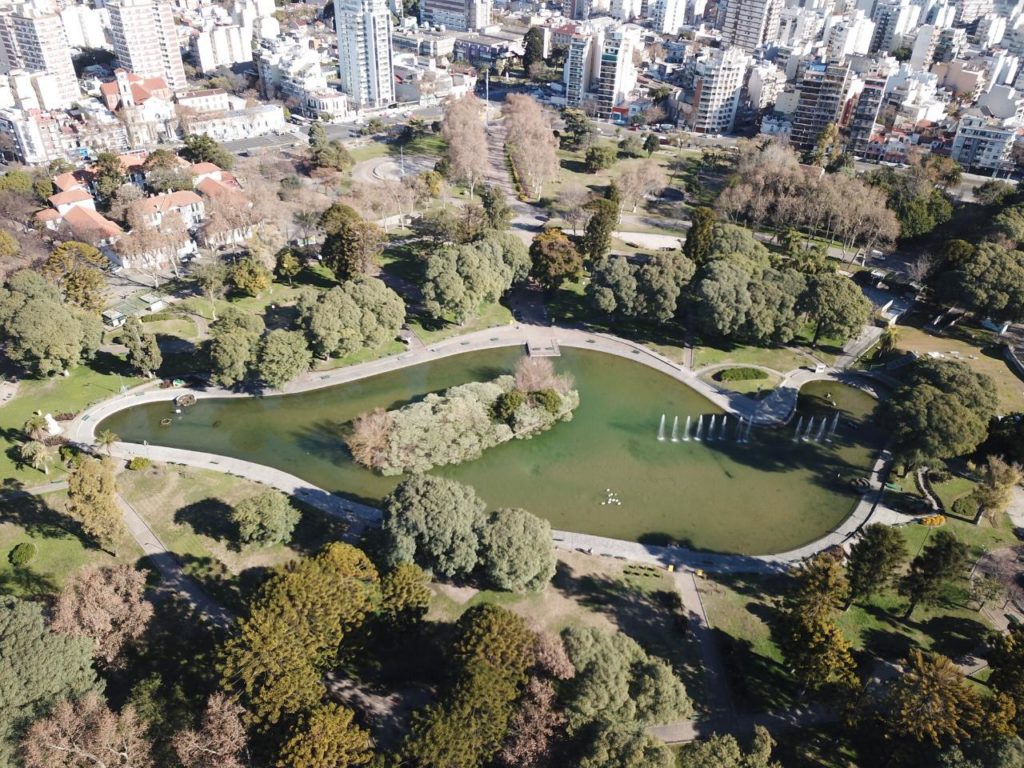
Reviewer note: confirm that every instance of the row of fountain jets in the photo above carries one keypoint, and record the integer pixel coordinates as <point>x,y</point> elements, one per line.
<point>715,430</point>
<point>741,434</point>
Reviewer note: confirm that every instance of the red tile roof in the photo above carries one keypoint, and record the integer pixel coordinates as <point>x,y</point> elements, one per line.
<point>87,223</point>
<point>71,196</point>
<point>170,201</point>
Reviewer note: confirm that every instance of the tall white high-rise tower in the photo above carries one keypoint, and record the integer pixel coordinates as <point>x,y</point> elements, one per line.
<point>145,40</point>
<point>32,38</point>
<point>364,52</point>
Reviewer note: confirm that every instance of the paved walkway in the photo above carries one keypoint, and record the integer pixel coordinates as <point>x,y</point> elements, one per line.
<point>172,574</point>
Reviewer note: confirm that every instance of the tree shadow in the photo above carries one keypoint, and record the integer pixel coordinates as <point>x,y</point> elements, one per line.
<point>22,581</point>
<point>109,364</point>
<point>954,636</point>
<point>209,517</point>
<point>757,682</point>
<point>32,513</point>
<point>651,618</point>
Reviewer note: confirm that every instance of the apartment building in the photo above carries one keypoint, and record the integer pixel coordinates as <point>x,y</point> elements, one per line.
<point>32,39</point>
<point>222,46</point>
<point>823,91</point>
<point>582,66</point>
<point>669,16</point>
<point>145,40</point>
<point>750,24</point>
<point>364,52</point>
<point>457,15</point>
<point>618,75</point>
<point>718,86</point>
<point>865,113</point>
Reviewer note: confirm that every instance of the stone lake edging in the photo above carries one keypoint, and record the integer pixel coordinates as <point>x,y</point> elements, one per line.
<point>82,430</point>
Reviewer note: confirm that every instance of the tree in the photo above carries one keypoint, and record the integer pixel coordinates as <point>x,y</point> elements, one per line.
<point>572,202</point>
<point>940,562</point>
<point>283,355</point>
<point>813,645</point>
<point>535,725</point>
<point>651,143</point>
<point>942,410</point>
<point>578,132</point>
<point>220,740</point>
<point>77,270</point>
<point>266,518</point>
<point>211,277</point>
<point>107,605</point>
<point>554,258</point>
<point>499,213</point>
<point>143,352</point>
<point>516,551</point>
<point>531,143</point>
<point>109,175</point>
<point>638,180</point>
<point>405,595</point>
<point>352,246</point>
<point>932,702</point>
<point>599,158</point>
<point>617,746</point>
<point>250,277</point>
<point>434,522</point>
<point>1006,659</point>
<point>203,149</point>
<point>723,296</point>
<point>288,265</point>
<point>37,455</point>
<point>723,751</point>
<point>459,278</point>
<point>92,496</point>
<point>233,352</point>
<point>598,235</point>
<point>990,281</point>
<point>279,655</point>
<point>361,313</point>
<point>9,245</point>
<point>327,738</point>
<point>875,559</point>
<point>465,141</point>
<point>126,196</point>
<point>41,333</point>
<point>697,247</point>
<point>533,48</point>
<point>616,681</point>
<point>40,667</point>
<point>86,733</point>
<point>490,634</point>
<point>995,491</point>
<point>613,286</point>
<point>18,182</point>
<point>836,306</point>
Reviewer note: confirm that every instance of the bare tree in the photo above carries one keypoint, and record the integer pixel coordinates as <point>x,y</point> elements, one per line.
<point>86,733</point>
<point>463,132</point>
<point>220,742</point>
<point>572,206</point>
<point>107,605</point>
<point>531,142</point>
<point>640,179</point>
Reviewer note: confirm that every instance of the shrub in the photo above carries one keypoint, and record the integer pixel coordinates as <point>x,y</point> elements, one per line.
<point>741,374</point>
<point>22,553</point>
<point>966,507</point>
<point>507,404</point>
<point>139,462</point>
<point>549,400</point>
<point>940,475</point>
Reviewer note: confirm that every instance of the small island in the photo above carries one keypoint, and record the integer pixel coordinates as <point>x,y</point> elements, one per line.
<point>462,422</point>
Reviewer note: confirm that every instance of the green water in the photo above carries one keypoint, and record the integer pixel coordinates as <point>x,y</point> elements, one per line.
<point>768,495</point>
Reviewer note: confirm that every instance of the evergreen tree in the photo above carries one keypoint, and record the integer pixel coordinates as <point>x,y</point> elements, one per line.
<point>940,562</point>
<point>92,500</point>
<point>597,238</point>
<point>875,559</point>
<point>699,239</point>
<point>143,352</point>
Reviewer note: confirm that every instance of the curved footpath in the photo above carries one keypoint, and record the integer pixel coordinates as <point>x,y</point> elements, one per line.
<point>82,430</point>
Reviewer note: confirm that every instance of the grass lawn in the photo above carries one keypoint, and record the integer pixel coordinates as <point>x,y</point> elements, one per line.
<point>489,316</point>
<point>188,509</point>
<point>740,609</point>
<point>972,347</point>
<point>183,328</point>
<point>59,394</point>
<point>777,358</point>
<point>953,489</point>
<point>360,356</point>
<point>594,591</point>
<point>59,551</point>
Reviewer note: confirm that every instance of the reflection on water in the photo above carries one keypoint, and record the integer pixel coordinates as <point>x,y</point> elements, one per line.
<point>767,494</point>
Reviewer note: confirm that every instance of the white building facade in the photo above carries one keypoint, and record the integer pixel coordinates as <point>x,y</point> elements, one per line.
<point>364,52</point>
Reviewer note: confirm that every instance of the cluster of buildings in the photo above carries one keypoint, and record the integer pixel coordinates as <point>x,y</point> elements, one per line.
<point>944,75</point>
<point>180,217</point>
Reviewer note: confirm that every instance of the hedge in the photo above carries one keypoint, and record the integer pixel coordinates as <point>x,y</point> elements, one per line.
<point>741,374</point>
